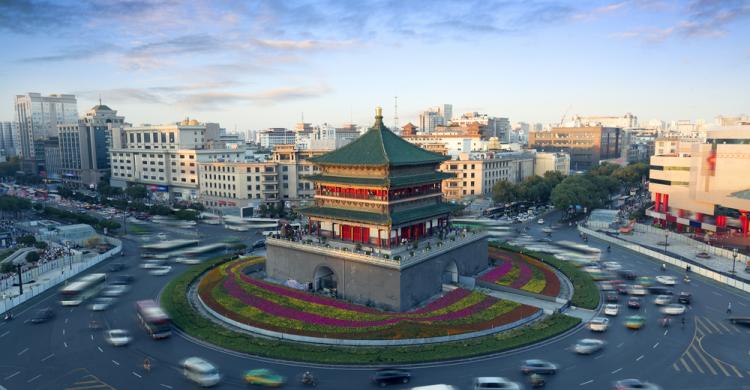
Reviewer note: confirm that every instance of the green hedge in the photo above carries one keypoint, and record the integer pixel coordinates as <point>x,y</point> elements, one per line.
<point>585,294</point>
<point>175,302</point>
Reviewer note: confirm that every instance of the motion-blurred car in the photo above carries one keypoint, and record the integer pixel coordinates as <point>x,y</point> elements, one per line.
<point>599,324</point>
<point>390,376</point>
<point>263,377</point>
<point>42,315</point>
<point>627,274</point>
<point>635,384</point>
<point>101,303</point>
<point>118,337</point>
<point>483,383</point>
<point>259,244</point>
<point>611,309</point>
<point>538,366</point>
<point>187,260</point>
<point>685,297</point>
<point>673,309</point>
<point>645,281</point>
<point>540,221</point>
<point>114,290</point>
<point>662,300</point>
<point>200,371</point>
<point>635,322</point>
<point>160,271</point>
<point>659,290</point>
<point>116,267</point>
<point>588,346</point>
<point>150,264</point>
<point>634,303</point>
<point>122,280</point>
<point>666,280</point>
<point>612,265</point>
<point>612,296</point>
<point>637,290</point>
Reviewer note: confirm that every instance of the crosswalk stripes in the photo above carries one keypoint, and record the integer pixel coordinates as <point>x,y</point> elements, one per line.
<point>695,357</point>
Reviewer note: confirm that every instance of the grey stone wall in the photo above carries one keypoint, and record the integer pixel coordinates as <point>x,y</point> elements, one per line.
<point>385,287</point>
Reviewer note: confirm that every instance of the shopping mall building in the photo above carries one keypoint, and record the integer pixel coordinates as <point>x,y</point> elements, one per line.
<point>699,186</point>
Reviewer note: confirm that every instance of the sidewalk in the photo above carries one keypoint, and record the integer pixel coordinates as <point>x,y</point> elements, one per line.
<point>687,252</point>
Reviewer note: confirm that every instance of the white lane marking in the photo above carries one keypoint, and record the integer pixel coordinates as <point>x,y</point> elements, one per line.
<point>48,357</point>
<point>599,357</point>
<point>71,310</point>
<point>666,331</point>
<point>620,345</point>
<point>740,302</point>
<point>655,345</point>
<point>63,332</point>
<point>66,321</point>
<point>136,374</point>
<point>115,362</point>
<point>34,378</point>
<point>639,358</point>
<point>27,321</point>
<point>65,343</point>
<point>92,337</point>
<point>167,386</point>
<point>587,382</point>
<point>715,293</point>
<point>12,375</point>
<point>100,349</point>
<point>5,334</point>
<point>617,370</point>
<point>22,352</point>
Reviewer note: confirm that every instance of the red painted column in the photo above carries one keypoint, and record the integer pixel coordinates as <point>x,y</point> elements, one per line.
<point>666,203</point>
<point>658,202</point>
<point>745,222</point>
<point>699,218</point>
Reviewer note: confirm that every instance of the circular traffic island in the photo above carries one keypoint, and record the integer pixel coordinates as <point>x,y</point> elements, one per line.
<point>222,303</point>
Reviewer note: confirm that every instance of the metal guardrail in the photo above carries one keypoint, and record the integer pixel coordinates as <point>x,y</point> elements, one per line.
<point>406,259</point>
<point>697,269</point>
<point>75,269</point>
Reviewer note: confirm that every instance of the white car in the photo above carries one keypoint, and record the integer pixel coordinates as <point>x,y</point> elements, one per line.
<point>612,265</point>
<point>673,309</point>
<point>662,300</point>
<point>637,290</point>
<point>599,324</point>
<point>118,337</point>
<point>496,382</point>
<point>540,221</point>
<point>151,264</point>
<point>161,236</point>
<point>160,271</point>
<point>101,303</point>
<point>187,260</point>
<point>200,371</point>
<point>611,309</point>
<point>588,346</point>
<point>114,290</point>
<point>666,280</point>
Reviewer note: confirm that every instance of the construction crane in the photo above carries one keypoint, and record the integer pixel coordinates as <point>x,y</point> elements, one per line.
<point>562,120</point>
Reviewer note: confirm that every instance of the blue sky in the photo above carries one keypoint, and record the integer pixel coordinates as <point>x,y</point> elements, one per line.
<point>256,64</point>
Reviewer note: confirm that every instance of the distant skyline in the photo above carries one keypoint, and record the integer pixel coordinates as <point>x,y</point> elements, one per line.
<point>258,64</point>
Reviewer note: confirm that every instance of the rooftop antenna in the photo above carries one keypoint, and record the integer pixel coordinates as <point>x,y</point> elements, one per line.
<point>395,113</point>
<point>100,99</point>
<point>303,117</point>
<point>351,120</point>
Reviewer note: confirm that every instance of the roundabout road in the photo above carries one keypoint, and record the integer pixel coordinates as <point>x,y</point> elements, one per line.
<point>709,353</point>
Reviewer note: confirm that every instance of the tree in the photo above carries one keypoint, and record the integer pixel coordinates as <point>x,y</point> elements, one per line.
<point>27,240</point>
<point>504,192</point>
<point>65,192</point>
<point>136,192</point>
<point>7,267</point>
<point>578,190</point>
<point>187,215</point>
<point>41,245</point>
<point>32,257</point>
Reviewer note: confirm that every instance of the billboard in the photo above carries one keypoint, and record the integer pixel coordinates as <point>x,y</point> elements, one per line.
<point>157,188</point>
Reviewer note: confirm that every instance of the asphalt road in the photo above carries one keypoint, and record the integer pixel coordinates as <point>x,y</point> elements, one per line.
<point>708,353</point>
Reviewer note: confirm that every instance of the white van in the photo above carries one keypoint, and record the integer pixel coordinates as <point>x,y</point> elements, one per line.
<point>200,371</point>
<point>434,387</point>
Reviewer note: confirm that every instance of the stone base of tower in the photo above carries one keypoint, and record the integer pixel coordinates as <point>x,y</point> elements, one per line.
<point>394,284</point>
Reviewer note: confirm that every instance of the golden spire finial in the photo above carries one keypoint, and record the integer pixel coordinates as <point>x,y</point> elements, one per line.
<point>378,111</point>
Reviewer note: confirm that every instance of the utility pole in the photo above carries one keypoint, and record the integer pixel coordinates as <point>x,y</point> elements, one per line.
<point>395,113</point>
<point>20,281</point>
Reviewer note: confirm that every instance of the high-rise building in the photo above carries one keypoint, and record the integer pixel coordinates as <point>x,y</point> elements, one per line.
<point>430,119</point>
<point>626,121</point>
<point>38,117</point>
<point>587,146</point>
<point>446,110</point>
<point>276,136</point>
<point>476,173</point>
<point>494,126</point>
<point>163,157</point>
<point>7,141</point>
<point>84,146</point>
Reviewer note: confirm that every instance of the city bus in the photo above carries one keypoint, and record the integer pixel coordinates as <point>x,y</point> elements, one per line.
<point>153,319</point>
<point>83,288</point>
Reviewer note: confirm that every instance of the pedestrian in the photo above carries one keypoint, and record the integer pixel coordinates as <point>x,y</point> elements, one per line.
<point>729,308</point>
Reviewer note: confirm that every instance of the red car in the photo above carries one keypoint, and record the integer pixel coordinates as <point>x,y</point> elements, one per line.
<point>634,303</point>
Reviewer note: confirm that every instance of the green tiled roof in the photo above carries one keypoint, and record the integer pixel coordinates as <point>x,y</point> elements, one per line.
<point>379,147</point>
<point>395,181</point>
<point>376,218</point>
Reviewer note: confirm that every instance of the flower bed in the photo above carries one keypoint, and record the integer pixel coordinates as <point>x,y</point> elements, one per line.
<point>255,302</point>
<point>522,272</point>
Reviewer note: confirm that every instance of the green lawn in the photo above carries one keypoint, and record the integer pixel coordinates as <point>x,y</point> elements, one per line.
<point>138,229</point>
<point>174,300</point>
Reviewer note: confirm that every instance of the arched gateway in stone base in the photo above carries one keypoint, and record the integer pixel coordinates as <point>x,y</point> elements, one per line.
<point>379,225</point>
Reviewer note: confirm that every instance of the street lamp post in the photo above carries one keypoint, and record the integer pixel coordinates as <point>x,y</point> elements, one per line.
<point>734,259</point>
<point>666,237</point>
